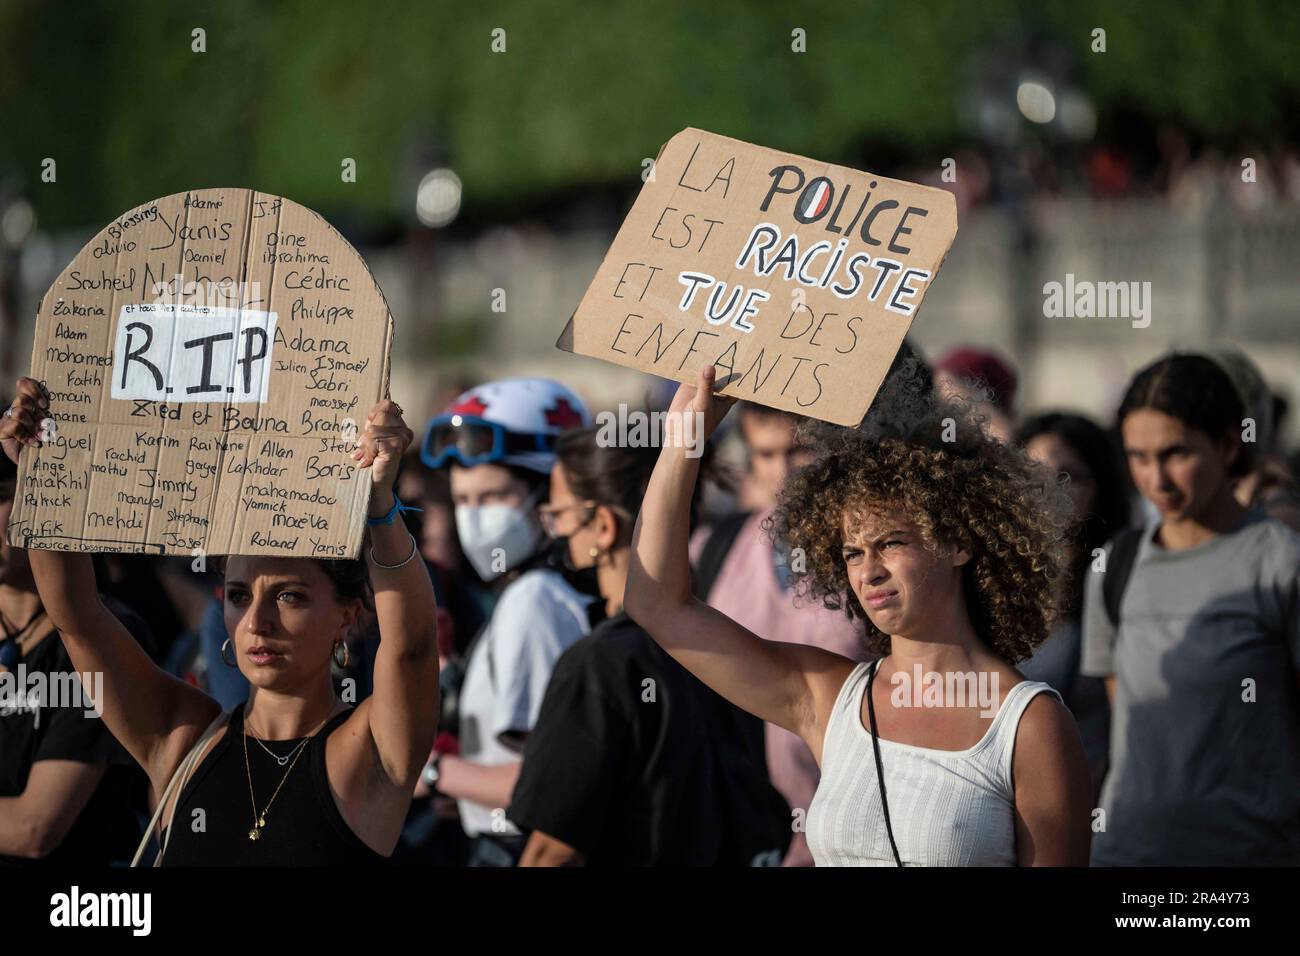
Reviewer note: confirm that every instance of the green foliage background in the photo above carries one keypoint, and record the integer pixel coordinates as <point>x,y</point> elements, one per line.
<point>114,93</point>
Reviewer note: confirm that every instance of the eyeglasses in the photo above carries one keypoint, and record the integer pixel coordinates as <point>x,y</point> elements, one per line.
<point>476,441</point>
<point>548,515</point>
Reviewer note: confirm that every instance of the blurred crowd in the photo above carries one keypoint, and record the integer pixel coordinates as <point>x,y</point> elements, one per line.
<point>544,755</point>
<point>1173,167</point>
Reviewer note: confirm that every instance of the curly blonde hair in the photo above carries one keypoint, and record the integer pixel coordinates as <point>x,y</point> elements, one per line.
<point>930,460</point>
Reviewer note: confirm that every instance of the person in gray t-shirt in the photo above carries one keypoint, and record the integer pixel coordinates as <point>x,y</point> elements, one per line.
<point>1205,736</point>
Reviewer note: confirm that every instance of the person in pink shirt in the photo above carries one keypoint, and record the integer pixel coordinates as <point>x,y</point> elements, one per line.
<point>745,577</point>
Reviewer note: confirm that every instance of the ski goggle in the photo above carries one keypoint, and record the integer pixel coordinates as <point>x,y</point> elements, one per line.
<point>472,441</point>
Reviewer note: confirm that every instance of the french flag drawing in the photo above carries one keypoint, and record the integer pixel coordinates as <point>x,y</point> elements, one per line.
<point>815,201</point>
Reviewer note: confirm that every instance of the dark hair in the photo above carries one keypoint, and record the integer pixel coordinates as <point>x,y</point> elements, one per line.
<point>349,576</point>
<point>351,580</point>
<point>436,485</point>
<point>1196,391</point>
<point>907,389</point>
<point>909,379</point>
<point>746,408</point>
<point>1110,510</point>
<point>538,483</point>
<point>612,475</point>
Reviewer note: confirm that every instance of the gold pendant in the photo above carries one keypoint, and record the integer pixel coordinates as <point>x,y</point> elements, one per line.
<point>261,822</point>
<point>253,834</point>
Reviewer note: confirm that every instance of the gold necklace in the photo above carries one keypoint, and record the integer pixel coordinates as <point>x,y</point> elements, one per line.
<point>259,819</point>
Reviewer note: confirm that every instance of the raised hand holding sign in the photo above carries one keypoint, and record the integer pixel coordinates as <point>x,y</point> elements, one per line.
<point>205,359</point>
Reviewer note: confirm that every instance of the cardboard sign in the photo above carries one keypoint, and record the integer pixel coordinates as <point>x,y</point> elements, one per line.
<point>210,358</point>
<point>797,279</point>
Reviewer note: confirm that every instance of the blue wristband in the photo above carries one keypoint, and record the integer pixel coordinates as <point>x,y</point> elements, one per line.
<point>393,512</point>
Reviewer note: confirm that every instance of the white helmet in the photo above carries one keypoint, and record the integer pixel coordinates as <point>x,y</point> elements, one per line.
<point>512,421</point>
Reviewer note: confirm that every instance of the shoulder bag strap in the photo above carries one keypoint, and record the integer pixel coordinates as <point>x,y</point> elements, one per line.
<point>880,770</point>
<point>175,785</point>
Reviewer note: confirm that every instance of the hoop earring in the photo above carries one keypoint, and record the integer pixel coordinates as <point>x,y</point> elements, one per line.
<point>342,664</point>
<point>224,659</point>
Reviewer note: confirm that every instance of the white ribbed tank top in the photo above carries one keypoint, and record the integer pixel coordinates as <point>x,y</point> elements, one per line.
<point>947,807</point>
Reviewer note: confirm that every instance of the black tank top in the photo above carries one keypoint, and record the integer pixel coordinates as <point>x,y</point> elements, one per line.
<point>303,826</point>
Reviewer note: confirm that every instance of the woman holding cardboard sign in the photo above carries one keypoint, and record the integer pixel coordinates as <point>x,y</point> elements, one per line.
<point>951,550</point>
<point>294,776</point>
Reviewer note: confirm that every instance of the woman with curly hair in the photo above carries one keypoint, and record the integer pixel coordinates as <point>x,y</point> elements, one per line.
<point>951,547</point>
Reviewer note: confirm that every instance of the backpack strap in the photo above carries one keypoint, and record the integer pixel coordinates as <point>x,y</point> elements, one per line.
<point>1119,569</point>
<point>715,551</point>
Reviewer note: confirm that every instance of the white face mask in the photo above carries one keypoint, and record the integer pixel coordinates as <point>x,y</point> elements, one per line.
<point>495,538</point>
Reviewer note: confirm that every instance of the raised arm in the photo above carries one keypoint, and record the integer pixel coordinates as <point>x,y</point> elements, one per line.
<point>785,684</point>
<point>402,713</point>
<point>153,715</point>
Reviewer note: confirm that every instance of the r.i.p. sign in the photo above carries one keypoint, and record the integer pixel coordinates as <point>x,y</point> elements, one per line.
<point>210,358</point>
<point>171,352</point>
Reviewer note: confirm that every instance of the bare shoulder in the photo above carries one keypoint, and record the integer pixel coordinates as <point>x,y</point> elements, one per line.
<point>825,672</point>
<point>1048,751</point>
<point>1046,720</point>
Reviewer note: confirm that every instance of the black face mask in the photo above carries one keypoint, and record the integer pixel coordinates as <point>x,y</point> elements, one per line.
<point>583,579</point>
